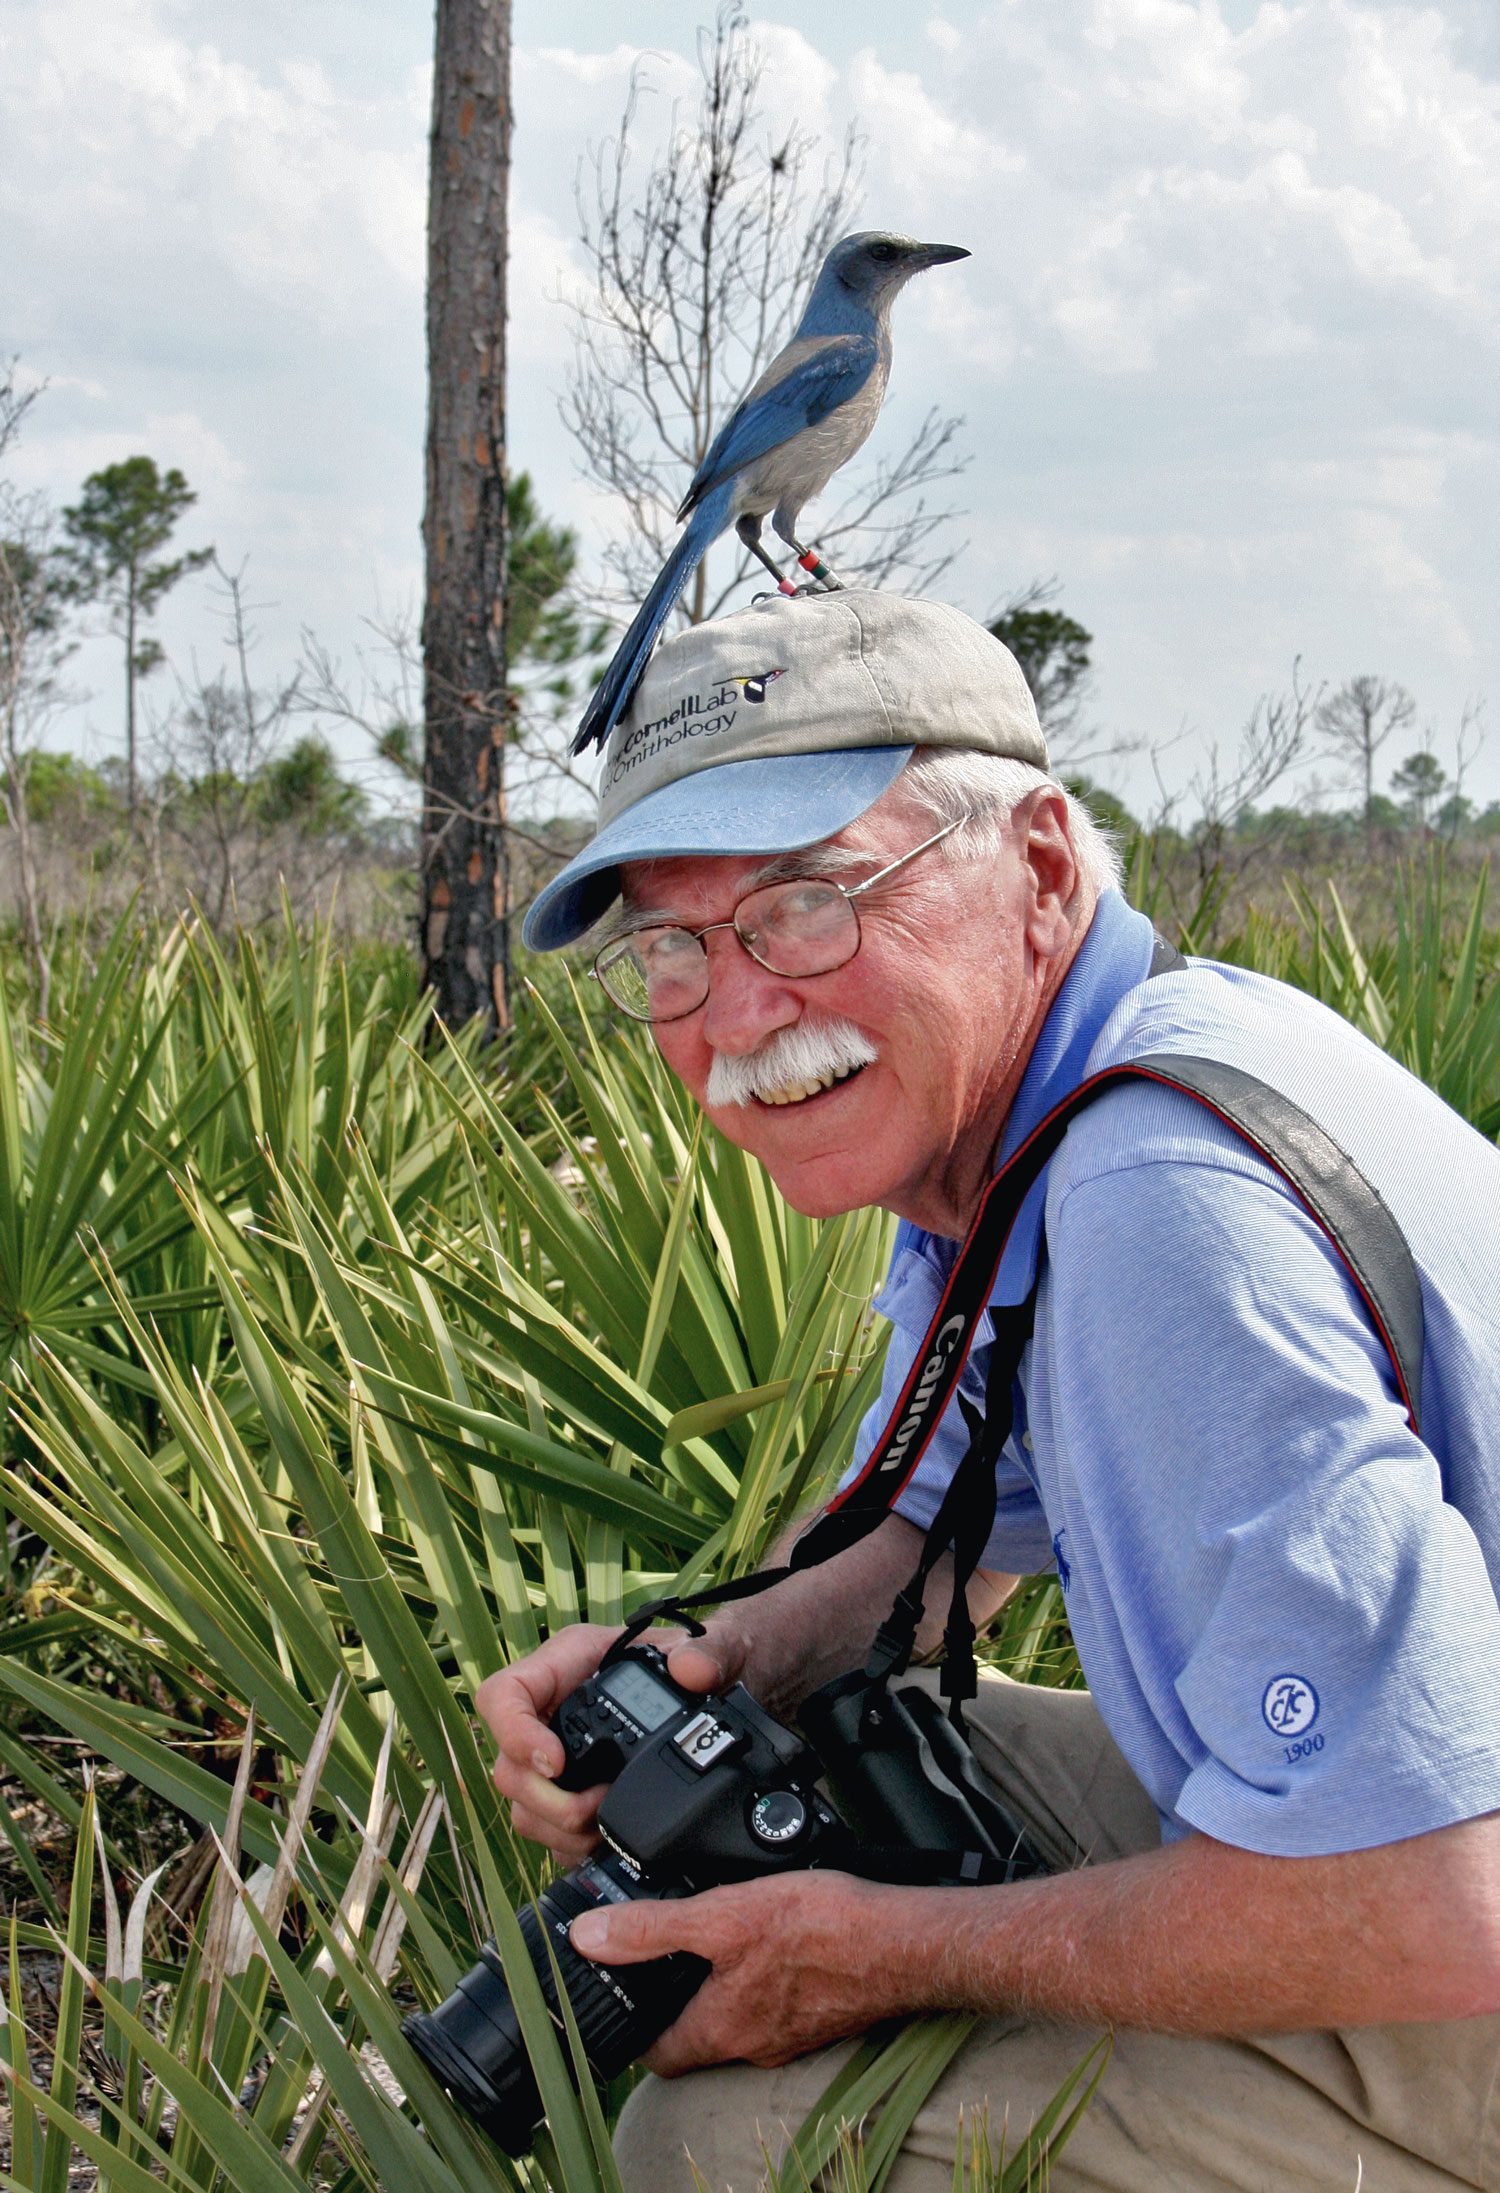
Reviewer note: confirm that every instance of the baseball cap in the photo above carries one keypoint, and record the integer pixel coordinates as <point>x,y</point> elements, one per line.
<point>776,727</point>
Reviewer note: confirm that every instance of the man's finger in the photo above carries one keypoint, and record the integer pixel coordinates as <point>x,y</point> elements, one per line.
<point>568,1828</point>
<point>514,1699</point>
<point>629,1934</point>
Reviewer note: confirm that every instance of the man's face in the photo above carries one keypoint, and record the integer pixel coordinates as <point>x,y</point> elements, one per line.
<point>948,987</point>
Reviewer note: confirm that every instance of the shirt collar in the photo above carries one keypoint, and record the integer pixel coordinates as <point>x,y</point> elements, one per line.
<point>1114,956</point>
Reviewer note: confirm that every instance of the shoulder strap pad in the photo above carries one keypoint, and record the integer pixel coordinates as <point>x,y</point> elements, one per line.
<point>1325,1180</point>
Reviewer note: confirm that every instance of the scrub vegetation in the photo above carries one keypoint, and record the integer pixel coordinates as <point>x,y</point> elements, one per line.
<point>343,1356</point>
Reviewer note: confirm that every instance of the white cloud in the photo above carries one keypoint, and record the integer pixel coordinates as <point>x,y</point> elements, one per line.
<point>174,438</point>
<point>614,67</point>
<point>1227,343</point>
<point>129,139</point>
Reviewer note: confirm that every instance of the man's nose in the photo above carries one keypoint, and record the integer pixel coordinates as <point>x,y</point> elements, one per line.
<point>746,1002</point>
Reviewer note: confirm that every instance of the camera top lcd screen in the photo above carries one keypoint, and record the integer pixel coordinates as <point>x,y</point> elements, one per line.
<point>642,1696</point>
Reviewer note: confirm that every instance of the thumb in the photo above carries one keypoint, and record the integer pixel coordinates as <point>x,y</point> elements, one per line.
<point>710,1662</point>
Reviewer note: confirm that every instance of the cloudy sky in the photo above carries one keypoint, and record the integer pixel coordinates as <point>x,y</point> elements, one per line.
<point>1226,350</point>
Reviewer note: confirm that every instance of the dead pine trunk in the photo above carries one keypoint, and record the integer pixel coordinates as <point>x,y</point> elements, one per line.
<point>465,879</point>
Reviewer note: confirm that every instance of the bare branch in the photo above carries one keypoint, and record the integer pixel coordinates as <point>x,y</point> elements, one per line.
<point>701,261</point>
<point>31,655</point>
<point>1228,789</point>
<point>1355,723</point>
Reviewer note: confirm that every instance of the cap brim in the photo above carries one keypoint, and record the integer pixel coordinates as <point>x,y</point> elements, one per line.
<point>771,805</point>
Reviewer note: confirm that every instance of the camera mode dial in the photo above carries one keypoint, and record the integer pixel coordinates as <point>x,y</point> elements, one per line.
<point>778,1817</point>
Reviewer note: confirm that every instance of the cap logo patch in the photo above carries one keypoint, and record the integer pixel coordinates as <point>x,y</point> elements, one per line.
<point>693,715</point>
<point>754,688</point>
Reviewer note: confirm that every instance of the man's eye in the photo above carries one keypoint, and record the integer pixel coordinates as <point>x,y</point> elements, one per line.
<point>800,906</point>
<point>660,949</point>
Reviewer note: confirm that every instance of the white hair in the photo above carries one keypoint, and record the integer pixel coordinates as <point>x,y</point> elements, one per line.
<point>947,782</point>
<point>807,1052</point>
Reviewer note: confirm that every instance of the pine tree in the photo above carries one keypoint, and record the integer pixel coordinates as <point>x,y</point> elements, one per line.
<point>465,870</point>
<point>127,514</point>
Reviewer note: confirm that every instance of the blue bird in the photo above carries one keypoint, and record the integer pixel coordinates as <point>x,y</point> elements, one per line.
<point>807,414</point>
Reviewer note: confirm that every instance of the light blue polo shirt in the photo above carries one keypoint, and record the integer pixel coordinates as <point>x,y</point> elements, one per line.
<point>1285,1604</point>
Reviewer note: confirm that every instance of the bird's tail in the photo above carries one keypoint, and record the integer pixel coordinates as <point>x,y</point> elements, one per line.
<point>615,688</point>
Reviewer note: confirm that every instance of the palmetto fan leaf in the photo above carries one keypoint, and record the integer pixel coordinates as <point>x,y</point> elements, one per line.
<point>430,1407</point>
<point>344,1364</point>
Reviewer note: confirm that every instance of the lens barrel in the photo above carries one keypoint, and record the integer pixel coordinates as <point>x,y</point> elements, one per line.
<point>473,2044</point>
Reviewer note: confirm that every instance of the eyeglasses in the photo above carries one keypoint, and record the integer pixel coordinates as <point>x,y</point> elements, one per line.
<point>806,927</point>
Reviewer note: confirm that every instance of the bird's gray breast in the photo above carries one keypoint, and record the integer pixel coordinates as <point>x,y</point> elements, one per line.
<point>801,467</point>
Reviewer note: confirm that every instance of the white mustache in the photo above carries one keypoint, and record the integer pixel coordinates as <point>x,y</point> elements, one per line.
<point>804,1052</point>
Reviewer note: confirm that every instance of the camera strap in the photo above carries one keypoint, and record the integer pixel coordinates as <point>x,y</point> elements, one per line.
<point>1322,1177</point>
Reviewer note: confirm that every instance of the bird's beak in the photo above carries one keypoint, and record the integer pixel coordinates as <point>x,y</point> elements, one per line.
<point>937,255</point>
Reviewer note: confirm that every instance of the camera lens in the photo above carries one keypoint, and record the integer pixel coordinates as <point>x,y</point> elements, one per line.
<point>473,2043</point>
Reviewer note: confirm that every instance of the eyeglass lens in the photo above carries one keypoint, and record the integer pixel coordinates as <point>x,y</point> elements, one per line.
<point>795,929</point>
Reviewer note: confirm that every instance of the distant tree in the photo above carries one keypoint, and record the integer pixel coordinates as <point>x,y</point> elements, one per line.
<point>1106,807</point>
<point>1419,783</point>
<point>1454,816</point>
<point>465,877</point>
<point>552,646</point>
<point>302,789</point>
<point>60,787</point>
<point>1237,828</point>
<point>1053,650</point>
<point>548,641</point>
<point>1355,722</point>
<point>1297,836</point>
<point>205,796</point>
<point>544,628</point>
<point>31,655</point>
<point>126,515</point>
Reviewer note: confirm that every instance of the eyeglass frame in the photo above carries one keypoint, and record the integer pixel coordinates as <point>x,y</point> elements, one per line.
<point>847,891</point>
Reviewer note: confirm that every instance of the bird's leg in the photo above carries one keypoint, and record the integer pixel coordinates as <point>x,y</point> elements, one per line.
<point>748,529</point>
<point>813,564</point>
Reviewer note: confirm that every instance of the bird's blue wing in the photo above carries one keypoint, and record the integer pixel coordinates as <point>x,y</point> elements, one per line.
<point>820,373</point>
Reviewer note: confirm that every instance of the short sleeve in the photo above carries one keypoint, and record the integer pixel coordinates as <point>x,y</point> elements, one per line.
<point>1291,1632</point>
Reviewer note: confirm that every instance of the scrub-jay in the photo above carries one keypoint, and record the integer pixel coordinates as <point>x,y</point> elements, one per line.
<point>807,414</point>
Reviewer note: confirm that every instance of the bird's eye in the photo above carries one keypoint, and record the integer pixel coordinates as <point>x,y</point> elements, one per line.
<point>883,251</point>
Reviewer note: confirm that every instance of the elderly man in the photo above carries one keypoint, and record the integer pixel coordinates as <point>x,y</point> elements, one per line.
<point>878,943</point>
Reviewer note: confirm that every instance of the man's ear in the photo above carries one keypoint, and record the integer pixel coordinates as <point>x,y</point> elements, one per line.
<point>1052,872</point>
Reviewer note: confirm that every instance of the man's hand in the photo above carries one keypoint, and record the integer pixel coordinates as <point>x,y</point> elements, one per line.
<point>517,1704</point>
<point>792,1969</point>
<point>804,1630</point>
<point>1197,1937</point>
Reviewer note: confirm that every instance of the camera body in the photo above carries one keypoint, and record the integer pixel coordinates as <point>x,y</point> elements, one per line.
<point>716,1789</point>
<point>705,1790</point>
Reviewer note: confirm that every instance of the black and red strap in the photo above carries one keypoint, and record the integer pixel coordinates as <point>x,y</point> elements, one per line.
<point>1323,1178</point>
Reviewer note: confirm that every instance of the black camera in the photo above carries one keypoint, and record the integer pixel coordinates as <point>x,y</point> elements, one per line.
<point>708,1790</point>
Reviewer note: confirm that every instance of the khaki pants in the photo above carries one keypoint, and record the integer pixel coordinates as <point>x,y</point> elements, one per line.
<point>1388,2109</point>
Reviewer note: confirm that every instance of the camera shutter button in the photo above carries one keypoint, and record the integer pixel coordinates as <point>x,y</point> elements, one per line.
<point>778,1817</point>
